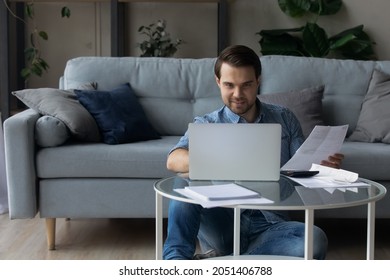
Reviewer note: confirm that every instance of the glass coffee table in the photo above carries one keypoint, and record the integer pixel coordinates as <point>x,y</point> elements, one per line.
<point>286,195</point>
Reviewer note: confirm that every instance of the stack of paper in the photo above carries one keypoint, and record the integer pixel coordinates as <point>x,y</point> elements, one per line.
<point>322,142</point>
<point>330,178</point>
<point>222,195</point>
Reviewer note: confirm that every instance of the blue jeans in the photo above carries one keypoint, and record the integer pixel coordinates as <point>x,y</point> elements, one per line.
<point>262,233</point>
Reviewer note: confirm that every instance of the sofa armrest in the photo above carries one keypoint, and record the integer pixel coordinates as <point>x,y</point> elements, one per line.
<point>20,148</point>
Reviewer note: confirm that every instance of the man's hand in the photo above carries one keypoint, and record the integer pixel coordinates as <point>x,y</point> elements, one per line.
<point>333,161</point>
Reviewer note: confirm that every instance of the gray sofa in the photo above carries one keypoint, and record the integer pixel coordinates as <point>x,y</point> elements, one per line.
<point>81,179</point>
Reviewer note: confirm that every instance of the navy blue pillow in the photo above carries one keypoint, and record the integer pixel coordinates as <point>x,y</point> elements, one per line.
<point>118,114</point>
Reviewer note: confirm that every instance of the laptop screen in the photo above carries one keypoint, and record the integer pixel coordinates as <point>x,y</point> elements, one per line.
<point>226,151</point>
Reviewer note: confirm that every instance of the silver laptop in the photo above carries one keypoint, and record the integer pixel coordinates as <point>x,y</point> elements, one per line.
<point>225,151</point>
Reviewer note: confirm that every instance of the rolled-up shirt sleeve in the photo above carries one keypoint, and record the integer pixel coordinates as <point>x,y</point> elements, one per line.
<point>184,140</point>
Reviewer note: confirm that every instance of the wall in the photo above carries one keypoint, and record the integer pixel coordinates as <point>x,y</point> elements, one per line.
<point>250,16</point>
<point>196,24</point>
<point>87,31</point>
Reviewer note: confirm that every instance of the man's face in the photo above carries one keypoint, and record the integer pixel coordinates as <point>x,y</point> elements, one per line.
<point>238,87</point>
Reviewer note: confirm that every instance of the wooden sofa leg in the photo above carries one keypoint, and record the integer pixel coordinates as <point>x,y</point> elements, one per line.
<point>51,233</point>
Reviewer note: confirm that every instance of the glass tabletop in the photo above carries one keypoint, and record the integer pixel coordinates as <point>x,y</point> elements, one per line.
<point>285,193</point>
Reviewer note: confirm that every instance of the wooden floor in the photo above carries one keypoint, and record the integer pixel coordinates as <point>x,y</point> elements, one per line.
<point>120,239</point>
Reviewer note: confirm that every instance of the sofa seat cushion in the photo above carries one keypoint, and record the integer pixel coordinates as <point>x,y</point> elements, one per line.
<point>369,160</point>
<point>146,159</point>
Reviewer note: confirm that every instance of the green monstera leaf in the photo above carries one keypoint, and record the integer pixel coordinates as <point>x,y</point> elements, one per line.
<point>315,40</point>
<point>294,8</point>
<point>299,8</point>
<point>311,39</point>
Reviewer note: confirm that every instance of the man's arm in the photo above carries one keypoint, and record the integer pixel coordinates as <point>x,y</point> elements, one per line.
<point>178,161</point>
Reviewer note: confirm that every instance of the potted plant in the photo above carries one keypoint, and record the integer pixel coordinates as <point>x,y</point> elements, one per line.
<point>311,39</point>
<point>158,42</point>
<point>35,63</point>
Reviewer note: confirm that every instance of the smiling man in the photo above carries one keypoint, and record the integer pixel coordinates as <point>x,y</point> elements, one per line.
<point>237,72</point>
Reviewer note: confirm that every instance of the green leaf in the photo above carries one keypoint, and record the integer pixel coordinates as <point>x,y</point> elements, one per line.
<point>325,7</point>
<point>25,73</point>
<point>341,41</point>
<point>65,12</point>
<point>43,64</point>
<point>358,47</point>
<point>43,35</point>
<point>36,69</point>
<point>30,53</point>
<point>315,40</point>
<point>283,44</point>
<point>29,10</point>
<point>278,32</point>
<point>295,8</point>
<point>280,41</point>
<point>354,31</point>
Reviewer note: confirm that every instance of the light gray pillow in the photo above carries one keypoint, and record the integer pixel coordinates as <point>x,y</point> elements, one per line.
<point>306,104</point>
<point>63,105</point>
<point>50,132</point>
<point>374,120</point>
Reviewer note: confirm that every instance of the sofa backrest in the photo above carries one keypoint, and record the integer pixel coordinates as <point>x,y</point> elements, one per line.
<point>346,82</point>
<point>172,91</point>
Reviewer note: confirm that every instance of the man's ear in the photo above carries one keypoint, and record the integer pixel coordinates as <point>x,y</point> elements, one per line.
<point>217,80</point>
<point>258,85</point>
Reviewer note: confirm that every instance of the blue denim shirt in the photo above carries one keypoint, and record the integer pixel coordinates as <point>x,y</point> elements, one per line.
<point>292,137</point>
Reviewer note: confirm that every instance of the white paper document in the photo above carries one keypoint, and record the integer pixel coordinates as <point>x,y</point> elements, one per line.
<point>222,195</point>
<point>331,178</point>
<point>221,192</point>
<point>336,175</point>
<point>322,142</point>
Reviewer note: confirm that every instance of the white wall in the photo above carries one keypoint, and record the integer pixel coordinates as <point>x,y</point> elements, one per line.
<point>87,31</point>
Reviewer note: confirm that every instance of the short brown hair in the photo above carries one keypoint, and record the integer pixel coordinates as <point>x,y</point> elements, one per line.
<point>238,56</point>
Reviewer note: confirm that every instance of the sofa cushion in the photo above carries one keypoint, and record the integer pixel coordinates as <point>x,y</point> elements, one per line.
<point>145,159</point>
<point>346,82</point>
<point>51,132</point>
<point>119,115</point>
<point>306,104</point>
<point>374,119</point>
<point>63,105</point>
<point>369,160</point>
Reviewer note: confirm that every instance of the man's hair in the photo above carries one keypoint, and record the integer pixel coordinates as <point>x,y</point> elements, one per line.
<point>238,56</point>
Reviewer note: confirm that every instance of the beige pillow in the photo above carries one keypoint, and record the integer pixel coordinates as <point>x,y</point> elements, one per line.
<point>374,120</point>
<point>306,104</point>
